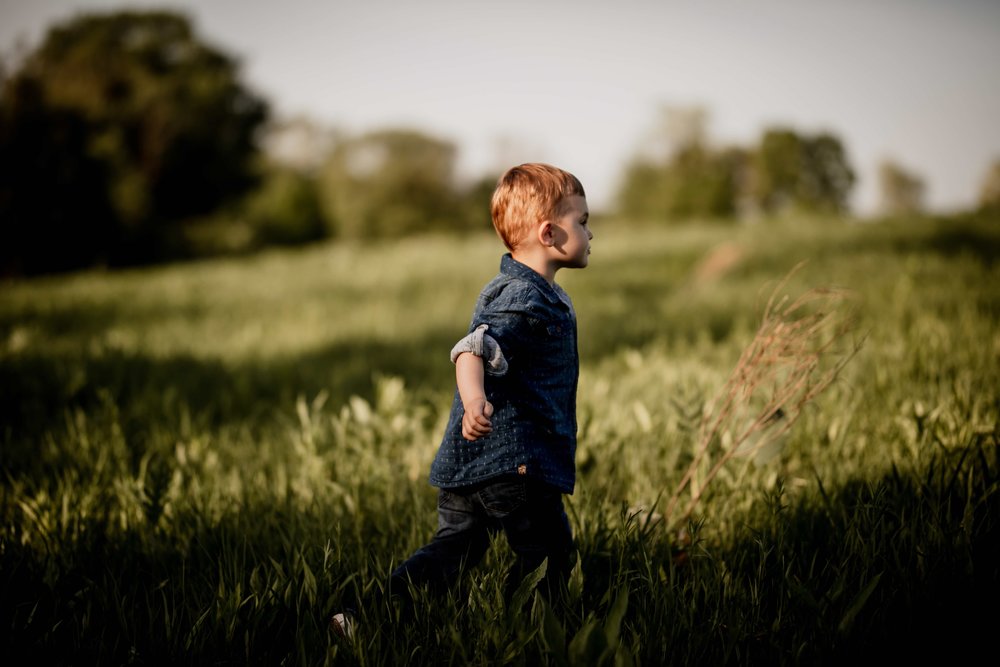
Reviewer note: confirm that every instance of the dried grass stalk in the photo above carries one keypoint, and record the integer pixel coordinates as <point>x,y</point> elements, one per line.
<point>797,352</point>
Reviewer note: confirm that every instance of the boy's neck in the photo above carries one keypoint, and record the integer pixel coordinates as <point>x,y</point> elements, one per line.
<point>537,261</point>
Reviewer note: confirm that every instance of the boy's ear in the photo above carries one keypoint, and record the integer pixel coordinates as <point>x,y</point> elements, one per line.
<point>546,235</point>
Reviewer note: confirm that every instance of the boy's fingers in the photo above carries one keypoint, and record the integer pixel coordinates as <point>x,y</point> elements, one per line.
<point>475,426</point>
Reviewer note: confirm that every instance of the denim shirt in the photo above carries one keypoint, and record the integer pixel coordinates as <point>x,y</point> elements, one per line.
<point>534,397</point>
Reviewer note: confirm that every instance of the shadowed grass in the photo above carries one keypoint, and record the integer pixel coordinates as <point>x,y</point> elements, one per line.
<point>201,462</point>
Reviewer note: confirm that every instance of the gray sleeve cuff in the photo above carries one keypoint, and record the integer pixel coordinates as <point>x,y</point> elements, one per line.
<point>484,347</point>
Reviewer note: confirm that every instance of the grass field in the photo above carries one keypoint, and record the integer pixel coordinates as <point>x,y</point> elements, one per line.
<point>201,461</point>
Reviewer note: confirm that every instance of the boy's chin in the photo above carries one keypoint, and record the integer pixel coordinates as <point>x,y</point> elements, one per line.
<point>576,263</point>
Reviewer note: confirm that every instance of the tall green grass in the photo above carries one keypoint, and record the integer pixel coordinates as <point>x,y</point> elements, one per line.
<point>201,462</point>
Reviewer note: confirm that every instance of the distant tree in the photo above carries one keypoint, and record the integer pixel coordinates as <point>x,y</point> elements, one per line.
<point>989,191</point>
<point>642,194</point>
<point>796,171</point>
<point>55,208</point>
<point>702,182</point>
<point>901,192</point>
<point>677,175</point>
<point>298,143</point>
<point>827,177</point>
<point>160,118</point>
<point>683,128</point>
<point>285,209</point>
<point>474,203</point>
<point>390,182</point>
<point>777,169</point>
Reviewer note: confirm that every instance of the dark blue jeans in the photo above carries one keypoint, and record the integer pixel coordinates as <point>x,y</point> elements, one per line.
<point>529,512</point>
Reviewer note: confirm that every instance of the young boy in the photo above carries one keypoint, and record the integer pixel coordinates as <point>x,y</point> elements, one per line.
<point>507,455</point>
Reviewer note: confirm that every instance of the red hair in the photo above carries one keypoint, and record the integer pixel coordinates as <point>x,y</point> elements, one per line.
<point>528,194</point>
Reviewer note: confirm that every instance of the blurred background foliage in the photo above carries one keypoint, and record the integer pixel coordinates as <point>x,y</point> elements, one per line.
<point>114,131</point>
<point>392,182</point>
<point>686,177</point>
<point>130,140</point>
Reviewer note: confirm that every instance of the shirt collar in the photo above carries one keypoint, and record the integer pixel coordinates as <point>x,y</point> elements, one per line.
<point>515,269</point>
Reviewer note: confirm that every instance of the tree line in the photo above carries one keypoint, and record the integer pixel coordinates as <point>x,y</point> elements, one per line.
<point>126,138</point>
<point>111,131</point>
<point>684,177</point>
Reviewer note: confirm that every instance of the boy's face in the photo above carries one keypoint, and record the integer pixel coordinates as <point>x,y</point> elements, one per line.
<point>572,233</point>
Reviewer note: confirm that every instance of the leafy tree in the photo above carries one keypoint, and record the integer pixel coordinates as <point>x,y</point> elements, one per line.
<point>474,203</point>
<point>695,182</point>
<point>777,167</point>
<point>827,177</point>
<point>55,209</point>
<point>297,142</point>
<point>285,209</point>
<point>796,171</point>
<point>785,171</point>
<point>704,183</point>
<point>681,128</point>
<point>679,175</point>
<point>901,192</point>
<point>642,194</point>
<point>989,191</point>
<point>390,182</point>
<point>160,117</point>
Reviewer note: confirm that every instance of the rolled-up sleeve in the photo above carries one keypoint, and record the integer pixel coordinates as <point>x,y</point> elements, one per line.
<point>484,346</point>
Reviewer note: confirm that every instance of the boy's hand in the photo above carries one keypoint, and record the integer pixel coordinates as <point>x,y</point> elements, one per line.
<point>476,420</point>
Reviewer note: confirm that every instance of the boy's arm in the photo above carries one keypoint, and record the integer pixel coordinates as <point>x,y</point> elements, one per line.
<point>469,376</point>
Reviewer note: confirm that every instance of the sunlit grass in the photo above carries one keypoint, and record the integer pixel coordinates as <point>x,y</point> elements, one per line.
<point>202,461</point>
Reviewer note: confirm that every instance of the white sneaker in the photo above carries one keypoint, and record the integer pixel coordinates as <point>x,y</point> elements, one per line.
<point>342,624</point>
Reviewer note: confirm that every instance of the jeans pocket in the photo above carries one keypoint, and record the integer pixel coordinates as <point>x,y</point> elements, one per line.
<point>502,498</point>
<point>449,500</point>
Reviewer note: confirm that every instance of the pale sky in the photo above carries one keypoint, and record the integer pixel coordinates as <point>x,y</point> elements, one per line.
<point>579,83</point>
